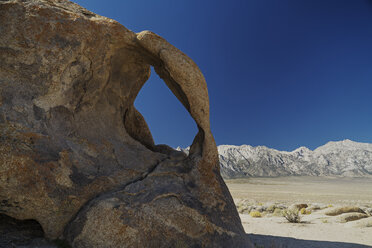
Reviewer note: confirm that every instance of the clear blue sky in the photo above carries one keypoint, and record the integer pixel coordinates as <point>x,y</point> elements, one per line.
<point>280,73</point>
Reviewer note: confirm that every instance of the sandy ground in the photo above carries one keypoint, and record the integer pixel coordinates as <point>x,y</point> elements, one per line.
<point>315,229</point>
<point>303,189</point>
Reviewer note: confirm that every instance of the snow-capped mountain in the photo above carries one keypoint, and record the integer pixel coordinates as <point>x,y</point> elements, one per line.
<point>336,158</point>
<point>343,158</point>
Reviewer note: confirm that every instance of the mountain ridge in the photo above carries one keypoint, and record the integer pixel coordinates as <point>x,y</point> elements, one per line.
<point>335,158</point>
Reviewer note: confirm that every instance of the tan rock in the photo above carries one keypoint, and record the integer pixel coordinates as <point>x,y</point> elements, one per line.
<point>365,222</point>
<point>341,210</point>
<point>76,156</point>
<point>299,206</point>
<point>351,217</point>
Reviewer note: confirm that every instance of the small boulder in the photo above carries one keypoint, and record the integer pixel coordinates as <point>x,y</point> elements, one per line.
<point>351,217</point>
<point>365,222</point>
<point>298,206</point>
<point>301,205</point>
<point>341,210</point>
<point>316,206</point>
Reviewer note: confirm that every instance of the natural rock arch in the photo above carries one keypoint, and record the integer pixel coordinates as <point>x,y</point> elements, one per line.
<point>76,156</point>
<point>184,79</point>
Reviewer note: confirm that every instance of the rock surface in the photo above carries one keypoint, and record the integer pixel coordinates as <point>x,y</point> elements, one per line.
<point>365,222</point>
<point>343,218</point>
<point>77,157</point>
<point>342,210</point>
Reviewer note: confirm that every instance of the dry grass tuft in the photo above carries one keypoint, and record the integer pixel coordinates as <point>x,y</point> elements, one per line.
<point>255,214</point>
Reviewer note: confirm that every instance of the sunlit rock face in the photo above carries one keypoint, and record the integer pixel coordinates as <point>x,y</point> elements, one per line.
<point>77,157</point>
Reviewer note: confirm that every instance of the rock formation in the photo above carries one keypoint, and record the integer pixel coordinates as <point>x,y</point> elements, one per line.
<point>75,154</point>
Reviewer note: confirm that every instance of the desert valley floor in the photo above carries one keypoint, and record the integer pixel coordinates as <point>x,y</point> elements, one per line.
<point>316,229</point>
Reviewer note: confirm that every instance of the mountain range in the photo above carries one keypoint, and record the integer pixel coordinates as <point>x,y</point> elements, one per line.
<point>336,158</point>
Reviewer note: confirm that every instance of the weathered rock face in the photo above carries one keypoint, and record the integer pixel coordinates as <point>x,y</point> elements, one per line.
<point>75,154</point>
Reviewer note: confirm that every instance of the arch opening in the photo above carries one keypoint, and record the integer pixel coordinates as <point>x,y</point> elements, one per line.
<point>169,121</point>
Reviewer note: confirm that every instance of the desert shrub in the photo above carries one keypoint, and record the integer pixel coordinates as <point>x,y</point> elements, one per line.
<point>368,211</point>
<point>243,207</point>
<point>292,215</point>
<point>240,208</point>
<point>278,212</point>
<point>271,209</point>
<point>255,214</point>
<point>304,211</point>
